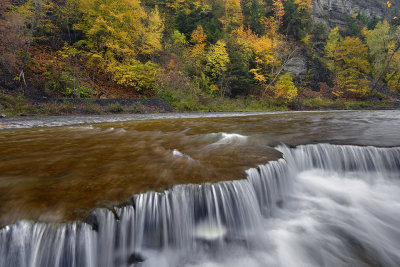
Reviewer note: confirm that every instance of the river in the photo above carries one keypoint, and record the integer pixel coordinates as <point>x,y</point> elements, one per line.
<point>213,189</point>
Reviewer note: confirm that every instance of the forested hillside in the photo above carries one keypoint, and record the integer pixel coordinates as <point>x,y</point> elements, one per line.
<point>199,54</point>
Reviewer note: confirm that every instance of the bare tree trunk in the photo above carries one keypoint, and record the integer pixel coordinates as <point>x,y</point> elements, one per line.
<point>37,6</point>
<point>288,60</point>
<point>24,61</point>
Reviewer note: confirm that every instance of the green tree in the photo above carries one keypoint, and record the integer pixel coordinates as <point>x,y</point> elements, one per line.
<point>241,80</point>
<point>384,45</point>
<point>254,14</point>
<point>38,27</point>
<point>232,18</point>
<point>297,18</point>
<point>178,43</point>
<point>209,17</point>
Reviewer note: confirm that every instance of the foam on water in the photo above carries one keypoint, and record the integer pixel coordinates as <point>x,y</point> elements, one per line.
<point>56,121</point>
<point>322,205</point>
<point>227,138</point>
<point>177,153</point>
<point>231,138</point>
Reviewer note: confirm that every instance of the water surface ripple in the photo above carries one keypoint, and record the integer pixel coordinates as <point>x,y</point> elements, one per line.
<point>321,204</point>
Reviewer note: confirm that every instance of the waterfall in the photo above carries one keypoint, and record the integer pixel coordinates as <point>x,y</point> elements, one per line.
<point>342,158</point>
<point>178,226</point>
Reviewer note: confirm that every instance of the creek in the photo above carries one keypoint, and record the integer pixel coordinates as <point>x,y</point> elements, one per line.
<point>224,189</point>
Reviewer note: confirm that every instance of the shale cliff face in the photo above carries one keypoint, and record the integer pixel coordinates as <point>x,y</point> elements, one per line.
<point>334,12</point>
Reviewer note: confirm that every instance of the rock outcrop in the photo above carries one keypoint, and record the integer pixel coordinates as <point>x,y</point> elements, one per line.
<point>335,12</point>
<point>297,65</point>
<point>331,13</point>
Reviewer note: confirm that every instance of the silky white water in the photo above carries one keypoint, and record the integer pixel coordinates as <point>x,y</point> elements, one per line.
<point>321,205</point>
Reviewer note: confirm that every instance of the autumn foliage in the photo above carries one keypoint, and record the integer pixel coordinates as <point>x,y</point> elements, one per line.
<point>222,48</point>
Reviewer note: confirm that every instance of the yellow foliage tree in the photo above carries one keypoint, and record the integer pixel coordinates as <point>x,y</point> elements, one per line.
<point>264,51</point>
<point>217,60</point>
<point>332,43</point>
<point>108,26</point>
<point>217,63</point>
<point>151,40</point>
<point>279,10</point>
<point>394,82</point>
<point>233,17</point>
<point>350,66</point>
<point>304,5</point>
<point>41,28</point>
<point>285,89</point>
<point>116,33</point>
<point>198,37</point>
<point>195,55</point>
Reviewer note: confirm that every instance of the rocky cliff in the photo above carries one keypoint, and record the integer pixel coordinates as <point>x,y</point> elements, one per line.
<point>334,12</point>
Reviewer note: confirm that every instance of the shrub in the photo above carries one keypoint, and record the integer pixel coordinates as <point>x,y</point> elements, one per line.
<point>179,92</point>
<point>115,107</point>
<point>80,92</point>
<point>137,107</point>
<point>58,108</point>
<point>15,104</point>
<point>307,93</point>
<point>326,91</point>
<point>91,107</point>
<point>318,102</point>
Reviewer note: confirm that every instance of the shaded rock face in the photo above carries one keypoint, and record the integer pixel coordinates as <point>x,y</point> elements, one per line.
<point>297,65</point>
<point>334,12</point>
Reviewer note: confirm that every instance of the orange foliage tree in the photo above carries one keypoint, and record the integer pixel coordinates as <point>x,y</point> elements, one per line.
<point>279,10</point>
<point>263,49</point>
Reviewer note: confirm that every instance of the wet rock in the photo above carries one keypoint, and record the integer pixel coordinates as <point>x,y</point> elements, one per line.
<point>116,216</point>
<point>92,220</point>
<point>135,258</point>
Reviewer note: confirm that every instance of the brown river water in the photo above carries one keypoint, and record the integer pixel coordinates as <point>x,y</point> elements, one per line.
<point>59,168</point>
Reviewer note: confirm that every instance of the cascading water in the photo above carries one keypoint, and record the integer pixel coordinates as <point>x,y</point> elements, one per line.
<point>322,205</point>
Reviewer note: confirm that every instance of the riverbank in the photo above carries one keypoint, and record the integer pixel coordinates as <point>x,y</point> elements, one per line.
<point>19,105</point>
<point>22,106</point>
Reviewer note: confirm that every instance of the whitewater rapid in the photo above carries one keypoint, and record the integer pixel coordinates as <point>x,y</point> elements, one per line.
<point>321,205</point>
